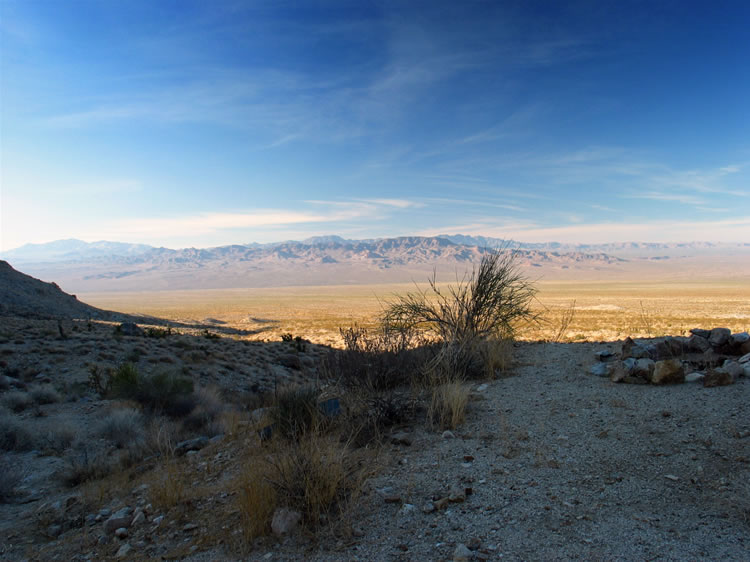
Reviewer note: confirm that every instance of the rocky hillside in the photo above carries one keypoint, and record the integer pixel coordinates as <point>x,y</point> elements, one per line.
<point>22,295</point>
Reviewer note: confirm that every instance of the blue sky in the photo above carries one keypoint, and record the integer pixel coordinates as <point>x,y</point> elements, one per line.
<point>205,123</point>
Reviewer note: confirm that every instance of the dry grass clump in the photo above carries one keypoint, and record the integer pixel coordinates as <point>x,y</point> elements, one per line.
<point>317,475</point>
<point>168,485</point>
<point>17,400</point>
<point>14,436</point>
<point>44,394</point>
<point>123,427</point>
<point>84,463</point>
<point>448,403</point>
<point>55,438</point>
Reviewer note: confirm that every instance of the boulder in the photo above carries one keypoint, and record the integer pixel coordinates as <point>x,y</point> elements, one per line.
<point>698,343</point>
<point>284,521</point>
<point>643,368</point>
<point>600,369</point>
<point>733,368</point>
<point>700,332</point>
<point>668,371</point>
<point>191,445</point>
<point>719,337</point>
<point>717,377</point>
<point>119,520</point>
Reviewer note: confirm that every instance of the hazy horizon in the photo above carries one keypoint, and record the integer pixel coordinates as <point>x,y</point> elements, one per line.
<point>197,125</point>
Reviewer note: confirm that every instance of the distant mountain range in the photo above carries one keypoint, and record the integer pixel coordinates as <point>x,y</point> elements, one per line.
<point>103,266</point>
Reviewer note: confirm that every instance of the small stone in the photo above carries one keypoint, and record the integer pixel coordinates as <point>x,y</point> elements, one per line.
<point>123,551</point>
<point>600,370</point>
<point>191,445</point>
<point>462,553</point>
<point>474,543</point>
<point>744,359</point>
<point>448,434</point>
<point>428,507</point>
<point>121,533</point>
<point>54,531</point>
<point>158,520</point>
<point>392,498</point>
<point>694,377</point>
<point>457,495</point>
<point>698,343</point>
<point>138,518</point>
<point>401,438</point>
<point>605,356</point>
<point>116,521</point>
<point>482,387</point>
<point>358,532</point>
<point>671,477</point>
<point>284,521</point>
<point>701,333</point>
<point>189,527</point>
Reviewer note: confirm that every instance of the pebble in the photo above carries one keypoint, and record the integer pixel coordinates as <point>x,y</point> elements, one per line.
<point>121,533</point>
<point>462,553</point>
<point>448,434</point>
<point>124,551</point>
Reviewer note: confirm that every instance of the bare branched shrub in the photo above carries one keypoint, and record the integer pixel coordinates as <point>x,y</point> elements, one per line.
<point>489,304</point>
<point>567,317</point>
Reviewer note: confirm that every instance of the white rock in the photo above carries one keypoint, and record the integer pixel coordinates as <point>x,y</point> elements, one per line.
<point>462,553</point>
<point>284,521</point>
<point>744,359</point>
<point>694,377</point>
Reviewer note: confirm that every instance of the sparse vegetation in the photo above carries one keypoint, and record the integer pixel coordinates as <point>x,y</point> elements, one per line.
<point>17,400</point>
<point>14,436</point>
<point>123,427</point>
<point>44,394</point>
<point>10,477</point>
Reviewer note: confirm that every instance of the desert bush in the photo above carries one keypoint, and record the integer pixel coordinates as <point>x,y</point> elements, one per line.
<point>123,427</point>
<point>170,485</point>
<point>85,463</point>
<point>55,438</point>
<point>161,392</point>
<point>205,415</point>
<point>17,400</point>
<point>44,394</point>
<point>295,411</point>
<point>10,477</point>
<point>489,304</point>
<point>317,476</point>
<point>13,434</point>
<point>378,360</point>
